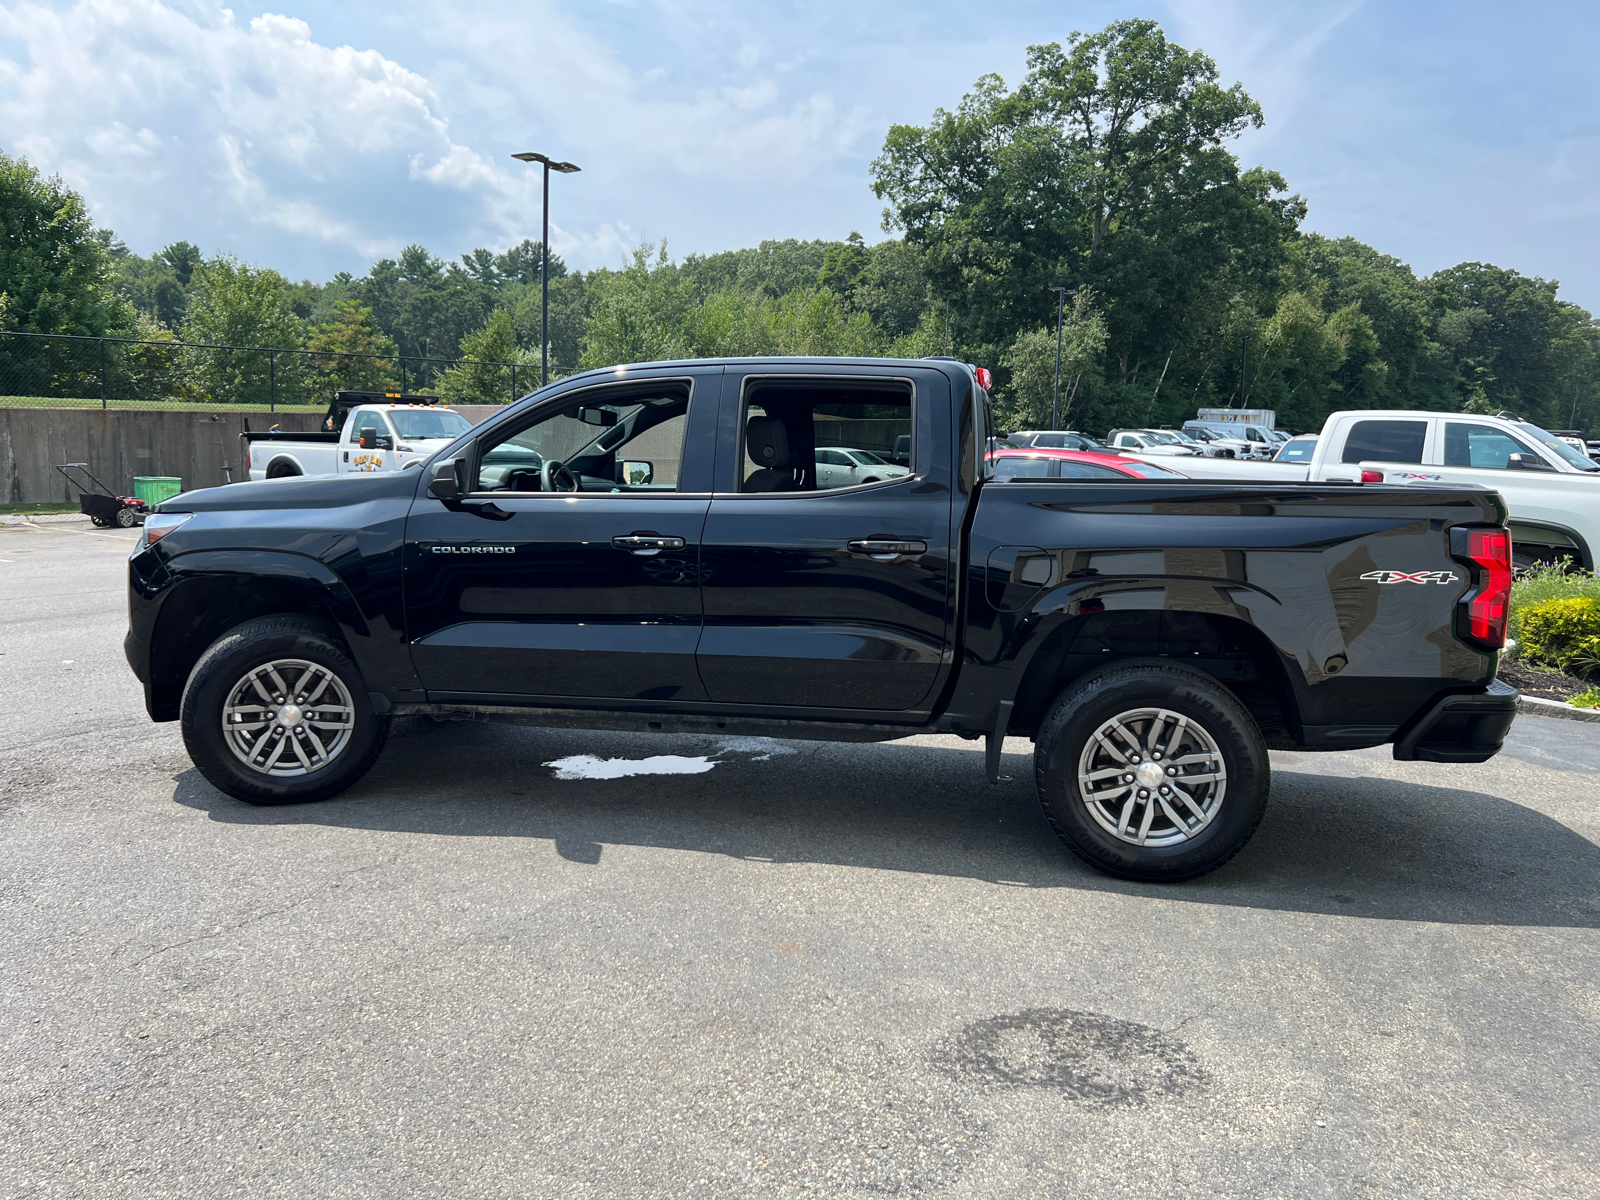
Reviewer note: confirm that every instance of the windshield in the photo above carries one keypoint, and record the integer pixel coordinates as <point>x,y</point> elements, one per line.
<point>1563,451</point>
<point>1162,439</point>
<point>1150,471</point>
<point>428,423</point>
<point>1296,450</point>
<point>868,457</point>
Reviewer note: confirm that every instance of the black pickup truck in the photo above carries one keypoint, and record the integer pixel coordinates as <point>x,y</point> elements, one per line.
<point>663,547</point>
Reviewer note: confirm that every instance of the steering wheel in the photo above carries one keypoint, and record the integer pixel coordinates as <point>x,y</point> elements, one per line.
<point>555,476</point>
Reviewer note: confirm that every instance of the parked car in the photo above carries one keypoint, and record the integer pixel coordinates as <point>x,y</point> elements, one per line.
<point>1258,439</point>
<point>362,432</point>
<point>842,466</point>
<point>1153,636</point>
<point>1232,447</point>
<point>1056,439</point>
<point>1148,441</point>
<point>1297,449</point>
<point>1210,447</point>
<point>1039,463</point>
<point>1551,490</point>
<point>900,456</point>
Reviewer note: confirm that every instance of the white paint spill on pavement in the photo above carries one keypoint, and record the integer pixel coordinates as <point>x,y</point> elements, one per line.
<point>587,766</point>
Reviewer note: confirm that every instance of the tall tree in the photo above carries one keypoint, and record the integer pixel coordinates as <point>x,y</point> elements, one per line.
<point>233,305</point>
<point>1106,168</point>
<point>56,274</point>
<point>353,354</point>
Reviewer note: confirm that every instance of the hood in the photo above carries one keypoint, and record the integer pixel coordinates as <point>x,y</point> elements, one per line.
<point>301,491</point>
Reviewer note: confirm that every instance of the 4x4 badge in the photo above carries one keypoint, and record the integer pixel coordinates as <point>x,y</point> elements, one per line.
<point>1415,577</point>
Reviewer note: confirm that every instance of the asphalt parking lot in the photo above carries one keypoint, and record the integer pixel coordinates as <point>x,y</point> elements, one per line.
<point>786,969</point>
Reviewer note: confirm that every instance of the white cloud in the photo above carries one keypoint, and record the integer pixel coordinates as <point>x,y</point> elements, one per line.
<point>181,119</point>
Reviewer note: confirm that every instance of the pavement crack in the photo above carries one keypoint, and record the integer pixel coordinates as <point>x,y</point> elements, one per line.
<point>271,912</point>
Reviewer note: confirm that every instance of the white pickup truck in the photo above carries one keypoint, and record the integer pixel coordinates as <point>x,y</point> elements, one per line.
<point>363,431</point>
<point>1551,490</point>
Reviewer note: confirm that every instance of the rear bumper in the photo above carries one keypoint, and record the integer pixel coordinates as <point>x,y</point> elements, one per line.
<point>1468,727</point>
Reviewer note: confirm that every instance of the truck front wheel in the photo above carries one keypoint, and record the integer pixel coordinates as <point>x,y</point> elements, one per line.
<point>276,712</point>
<point>1151,771</point>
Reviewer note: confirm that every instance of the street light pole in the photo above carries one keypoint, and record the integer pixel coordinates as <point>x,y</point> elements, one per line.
<point>1061,311</point>
<point>565,168</point>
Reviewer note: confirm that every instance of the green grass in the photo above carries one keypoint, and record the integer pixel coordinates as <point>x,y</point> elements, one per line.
<point>11,510</point>
<point>152,405</point>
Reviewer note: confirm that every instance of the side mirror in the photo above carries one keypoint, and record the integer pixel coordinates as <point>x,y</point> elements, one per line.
<point>385,442</point>
<point>637,474</point>
<point>1527,462</point>
<point>447,483</point>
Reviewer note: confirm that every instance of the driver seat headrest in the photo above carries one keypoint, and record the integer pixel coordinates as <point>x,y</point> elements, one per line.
<point>766,441</point>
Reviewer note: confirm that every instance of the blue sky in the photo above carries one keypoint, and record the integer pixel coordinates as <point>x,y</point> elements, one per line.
<point>313,137</point>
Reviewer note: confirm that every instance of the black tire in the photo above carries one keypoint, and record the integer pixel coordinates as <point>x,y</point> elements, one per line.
<point>283,470</point>
<point>1522,562</point>
<point>100,522</point>
<point>129,518</point>
<point>1086,706</point>
<point>226,665</point>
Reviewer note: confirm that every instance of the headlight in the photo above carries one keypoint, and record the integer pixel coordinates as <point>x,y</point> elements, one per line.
<point>158,525</point>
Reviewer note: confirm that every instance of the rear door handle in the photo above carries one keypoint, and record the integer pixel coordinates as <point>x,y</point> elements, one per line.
<point>885,548</point>
<point>647,543</point>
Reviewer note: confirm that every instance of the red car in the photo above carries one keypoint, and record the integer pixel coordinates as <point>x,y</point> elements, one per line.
<point>1036,463</point>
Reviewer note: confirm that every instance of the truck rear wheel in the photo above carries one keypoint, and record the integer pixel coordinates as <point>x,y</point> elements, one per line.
<point>1151,771</point>
<point>276,712</point>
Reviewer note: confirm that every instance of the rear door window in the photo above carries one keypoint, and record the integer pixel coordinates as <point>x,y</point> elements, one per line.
<point>1385,441</point>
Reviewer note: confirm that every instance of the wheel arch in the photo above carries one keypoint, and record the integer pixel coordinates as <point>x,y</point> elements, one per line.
<point>213,592</point>
<point>1235,653</point>
<point>284,466</point>
<point>1577,540</point>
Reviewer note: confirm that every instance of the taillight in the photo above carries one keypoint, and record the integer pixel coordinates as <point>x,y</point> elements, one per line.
<point>1488,605</point>
<point>985,380</point>
<point>1372,477</point>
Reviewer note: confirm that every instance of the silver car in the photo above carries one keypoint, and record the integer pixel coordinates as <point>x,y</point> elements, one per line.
<point>843,466</point>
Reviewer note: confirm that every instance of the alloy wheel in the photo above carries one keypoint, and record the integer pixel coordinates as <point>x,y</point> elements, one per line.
<point>1152,777</point>
<point>288,717</point>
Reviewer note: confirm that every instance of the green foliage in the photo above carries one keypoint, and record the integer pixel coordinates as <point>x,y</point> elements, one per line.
<point>236,304</point>
<point>1588,699</point>
<point>57,269</point>
<point>1030,401</point>
<point>1561,633</point>
<point>483,379</point>
<point>1546,583</point>
<point>350,332</point>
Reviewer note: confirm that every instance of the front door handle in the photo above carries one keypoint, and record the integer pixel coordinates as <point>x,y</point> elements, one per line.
<point>647,543</point>
<point>885,548</point>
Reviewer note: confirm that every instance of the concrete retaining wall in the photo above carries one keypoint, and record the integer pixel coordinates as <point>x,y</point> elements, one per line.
<point>191,443</point>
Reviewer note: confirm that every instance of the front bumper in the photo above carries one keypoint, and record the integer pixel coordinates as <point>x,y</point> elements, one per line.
<point>1467,727</point>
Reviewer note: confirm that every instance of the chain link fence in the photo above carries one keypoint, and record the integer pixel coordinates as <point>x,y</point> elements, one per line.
<point>67,371</point>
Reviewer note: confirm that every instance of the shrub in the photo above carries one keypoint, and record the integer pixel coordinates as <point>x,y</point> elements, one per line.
<point>1547,583</point>
<point>1589,699</point>
<point>1562,633</point>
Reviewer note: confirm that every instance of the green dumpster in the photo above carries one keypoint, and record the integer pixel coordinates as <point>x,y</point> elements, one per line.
<point>153,489</point>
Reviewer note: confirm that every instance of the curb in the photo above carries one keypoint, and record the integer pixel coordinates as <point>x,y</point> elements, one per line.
<point>1535,707</point>
<point>40,518</point>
